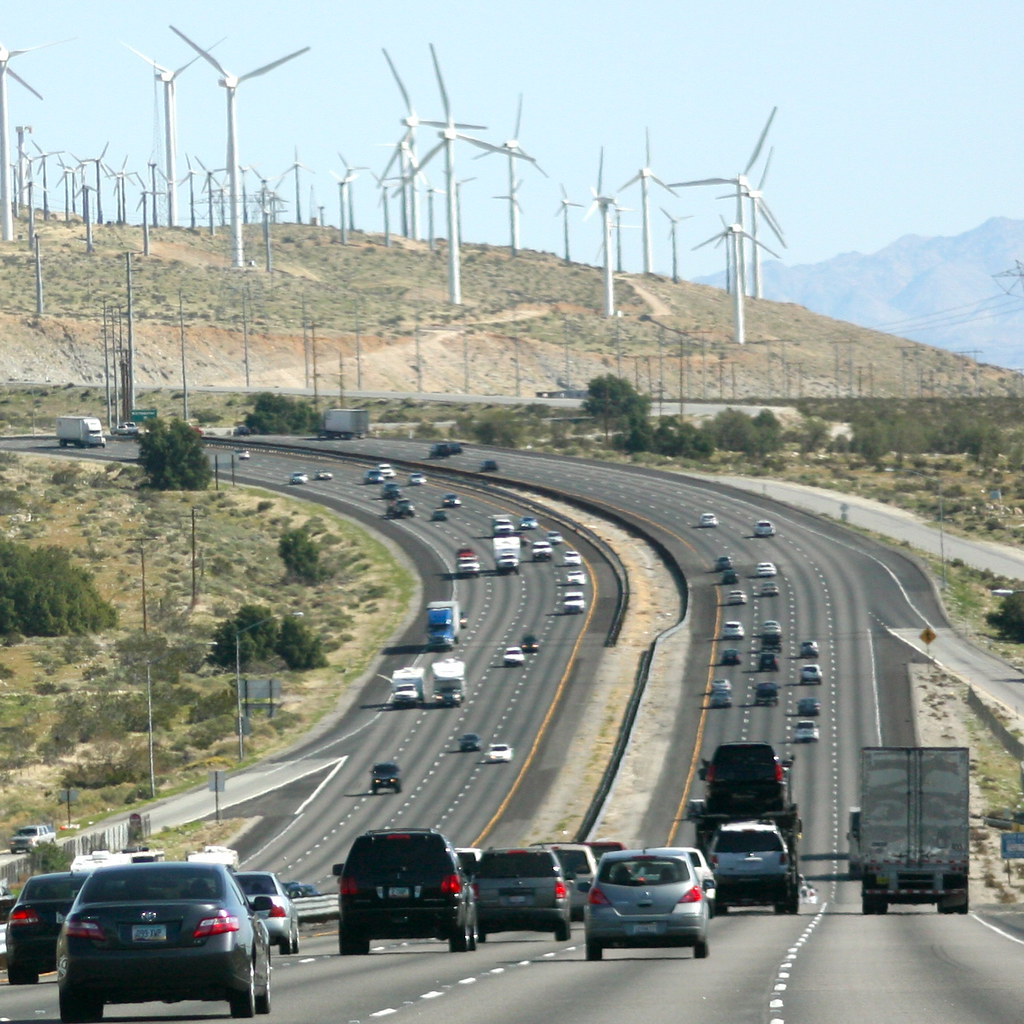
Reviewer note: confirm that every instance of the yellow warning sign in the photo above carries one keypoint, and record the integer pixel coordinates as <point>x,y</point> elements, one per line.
<point>928,635</point>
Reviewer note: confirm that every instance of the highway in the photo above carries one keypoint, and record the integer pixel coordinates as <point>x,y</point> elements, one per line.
<point>829,963</point>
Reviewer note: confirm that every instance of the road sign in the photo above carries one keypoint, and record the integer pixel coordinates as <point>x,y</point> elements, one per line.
<point>928,635</point>
<point>140,415</point>
<point>1012,845</point>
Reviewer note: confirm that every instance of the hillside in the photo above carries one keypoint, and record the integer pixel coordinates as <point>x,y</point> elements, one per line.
<point>367,316</point>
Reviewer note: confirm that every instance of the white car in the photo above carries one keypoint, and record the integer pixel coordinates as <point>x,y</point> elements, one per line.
<point>244,454</point>
<point>554,537</point>
<point>498,752</point>
<point>570,557</point>
<point>765,569</point>
<point>764,528</point>
<point>805,732</point>
<point>417,479</point>
<point>732,630</point>
<point>573,603</point>
<point>769,589</point>
<point>298,478</point>
<point>810,674</point>
<point>323,474</point>
<point>514,656</point>
<point>576,578</point>
<point>707,519</point>
<point>736,597</point>
<point>386,470</point>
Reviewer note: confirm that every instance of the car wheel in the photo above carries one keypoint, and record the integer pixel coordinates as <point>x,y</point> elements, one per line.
<point>294,948</point>
<point>353,943</point>
<point>79,1008</point>
<point>481,935</point>
<point>459,943</point>
<point>374,788</point>
<point>22,976</point>
<point>243,1003</point>
<point>700,949</point>
<point>563,932</point>
<point>594,950</point>
<point>398,788</point>
<point>721,908</point>
<point>263,1001</point>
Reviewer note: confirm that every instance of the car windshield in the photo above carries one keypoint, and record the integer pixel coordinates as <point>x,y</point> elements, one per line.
<point>386,768</point>
<point>256,884</point>
<point>644,871</point>
<point>516,864</point>
<point>747,842</point>
<point>575,861</point>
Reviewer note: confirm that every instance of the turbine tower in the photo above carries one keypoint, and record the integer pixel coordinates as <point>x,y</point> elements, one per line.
<point>450,132</point>
<point>644,176</point>
<point>563,212</point>
<point>605,204</point>
<point>230,84</point>
<point>6,56</point>
<point>675,247</point>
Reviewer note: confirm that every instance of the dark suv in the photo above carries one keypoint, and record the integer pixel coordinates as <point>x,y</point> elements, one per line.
<point>386,775</point>
<point>520,889</point>
<point>403,884</point>
<point>34,924</point>
<point>745,777</point>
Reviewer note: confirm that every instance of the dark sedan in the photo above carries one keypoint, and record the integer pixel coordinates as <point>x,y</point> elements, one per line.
<point>34,923</point>
<point>163,931</point>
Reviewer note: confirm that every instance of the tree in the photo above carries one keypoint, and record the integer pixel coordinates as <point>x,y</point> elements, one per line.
<point>616,403</point>
<point>298,646</point>
<point>173,457</point>
<point>301,555</point>
<point>279,414</point>
<point>1008,619</point>
<point>256,630</point>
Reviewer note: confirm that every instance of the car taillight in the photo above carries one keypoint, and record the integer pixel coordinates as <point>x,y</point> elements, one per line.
<point>83,929</point>
<point>347,886</point>
<point>451,885</point>
<point>782,857</point>
<point>598,898</point>
<point>277,911</point>
<point>693,895</point>
<point>709,775</point>
<point>223,922</point>
<point>476,890</point>
<point>714,860</point>
<point>780,773</point>
<point>23,915</point>
<point>560,890</point>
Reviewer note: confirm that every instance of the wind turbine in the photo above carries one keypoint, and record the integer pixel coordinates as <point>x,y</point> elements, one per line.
<point>563,212</point>
<point>741,184</point>
<point>230,83</point>
<point>42,162</point>
<point>6,56</point>
<point>515,152</point>
<point>450,132</point>
<point>605,204</point>
<point>675,249</point>
<point>168,77</point>
<point>732,235</point>
<point>645,175</point>
<point>349,178</point>
<point>755,197</point>
<point>98,161</point>
<point>295,167</point>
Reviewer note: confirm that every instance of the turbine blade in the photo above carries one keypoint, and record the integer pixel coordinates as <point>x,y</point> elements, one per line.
<point>401,87</point>
<point>21,81</point>
<point>149,60</point>
<point>440,85</point>
<point>481,144</point>
<point>703,181</point>
<point>760,141</point>
<point>636,177</point>
<point>767,164</point>
<point>202,53</point>
<point>667,188</point>
<point>273,64</point>
<point>519,117</point>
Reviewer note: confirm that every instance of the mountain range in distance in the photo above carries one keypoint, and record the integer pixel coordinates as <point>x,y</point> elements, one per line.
<point>963,293</point>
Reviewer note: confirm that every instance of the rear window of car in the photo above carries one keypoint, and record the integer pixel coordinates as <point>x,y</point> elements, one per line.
<point>745,758</point>
<point>575,861</point>
<point>256,884</point>
<point>40,888</point>
<point>644,871</point>
<point>396,852</point>
<point>517,864</point>
<point>748,842</point>
<point>130,885</point>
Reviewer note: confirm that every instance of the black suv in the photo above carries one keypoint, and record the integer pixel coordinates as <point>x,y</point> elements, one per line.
<point>403,884</point>
<point>386,775</point>
<point>745,777</point>
<point>520,889</point>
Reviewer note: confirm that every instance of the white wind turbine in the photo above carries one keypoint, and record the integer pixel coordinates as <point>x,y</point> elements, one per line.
<point>675,247</point>
<point>645,175</point>
<point>346,218</point>
<point>563,212</point>
<point>450,132</point>
<point>169,79</point>
<point>6,205</point>
<point>732,235</point>
<point>230,84</point>
<point>758,207</point>
<point>740,184</point>
<point>605,204</point>
<point>41,160</point>
<point>515,152</point>
<point>295,166</point>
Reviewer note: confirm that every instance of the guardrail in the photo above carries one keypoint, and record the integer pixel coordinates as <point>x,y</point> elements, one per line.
<point>316,908</point>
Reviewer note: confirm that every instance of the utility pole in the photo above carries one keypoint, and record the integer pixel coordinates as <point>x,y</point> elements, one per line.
<point>184,375</point>
<point>130,383</point>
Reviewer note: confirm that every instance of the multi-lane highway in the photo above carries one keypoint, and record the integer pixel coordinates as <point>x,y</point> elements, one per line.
<point>827,964</point>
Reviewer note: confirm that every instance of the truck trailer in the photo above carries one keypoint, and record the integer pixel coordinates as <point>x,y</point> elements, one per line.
<point>344,424</point>
<point>443,624</point>
<point>449,680</point>
<point>80,432</point>
<point>407,686</point>
<point>506,554</point>
<point>914,827</point>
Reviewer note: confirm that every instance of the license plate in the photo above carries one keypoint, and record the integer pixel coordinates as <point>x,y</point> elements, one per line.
<point>149,933</point>
<point>399,892</point>
<point>645,928</point>
<point>516,900</point>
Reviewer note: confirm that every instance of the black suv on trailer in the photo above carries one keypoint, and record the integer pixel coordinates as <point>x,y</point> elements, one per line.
<point>745,777</point>
<point>403,884</point>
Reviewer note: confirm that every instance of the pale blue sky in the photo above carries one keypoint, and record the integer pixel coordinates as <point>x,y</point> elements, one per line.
<point>894,117</point>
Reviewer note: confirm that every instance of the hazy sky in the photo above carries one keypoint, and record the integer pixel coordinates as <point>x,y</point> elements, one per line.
<point>893,117</point>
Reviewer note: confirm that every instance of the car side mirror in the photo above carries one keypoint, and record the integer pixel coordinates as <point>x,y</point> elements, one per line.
<point>709,883</point>
<point>261,903</point>
<point>337,869</point>
<point>584,886</point>
<point>702,773</point>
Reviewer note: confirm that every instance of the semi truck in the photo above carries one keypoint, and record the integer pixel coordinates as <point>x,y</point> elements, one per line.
<point>80,432</point>
<point>914,828</point>
<point>443,623</point>
<point>449,680</point>
<point>344,424</point>
<point>407,686</point>
<point>506,554</point>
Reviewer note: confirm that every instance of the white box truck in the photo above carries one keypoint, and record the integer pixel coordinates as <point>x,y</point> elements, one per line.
<point>344,424</point>
<point>449,679</point>
<point>407,686</point>
<point>914,827</point>
<point>80,431</point>
<point>506,554</point>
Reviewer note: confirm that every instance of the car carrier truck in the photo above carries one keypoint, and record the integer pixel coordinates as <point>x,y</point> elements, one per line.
<point>914,827</point>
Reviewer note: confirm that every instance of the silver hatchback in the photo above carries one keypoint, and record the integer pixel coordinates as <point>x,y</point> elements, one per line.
<point>646,898</point>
